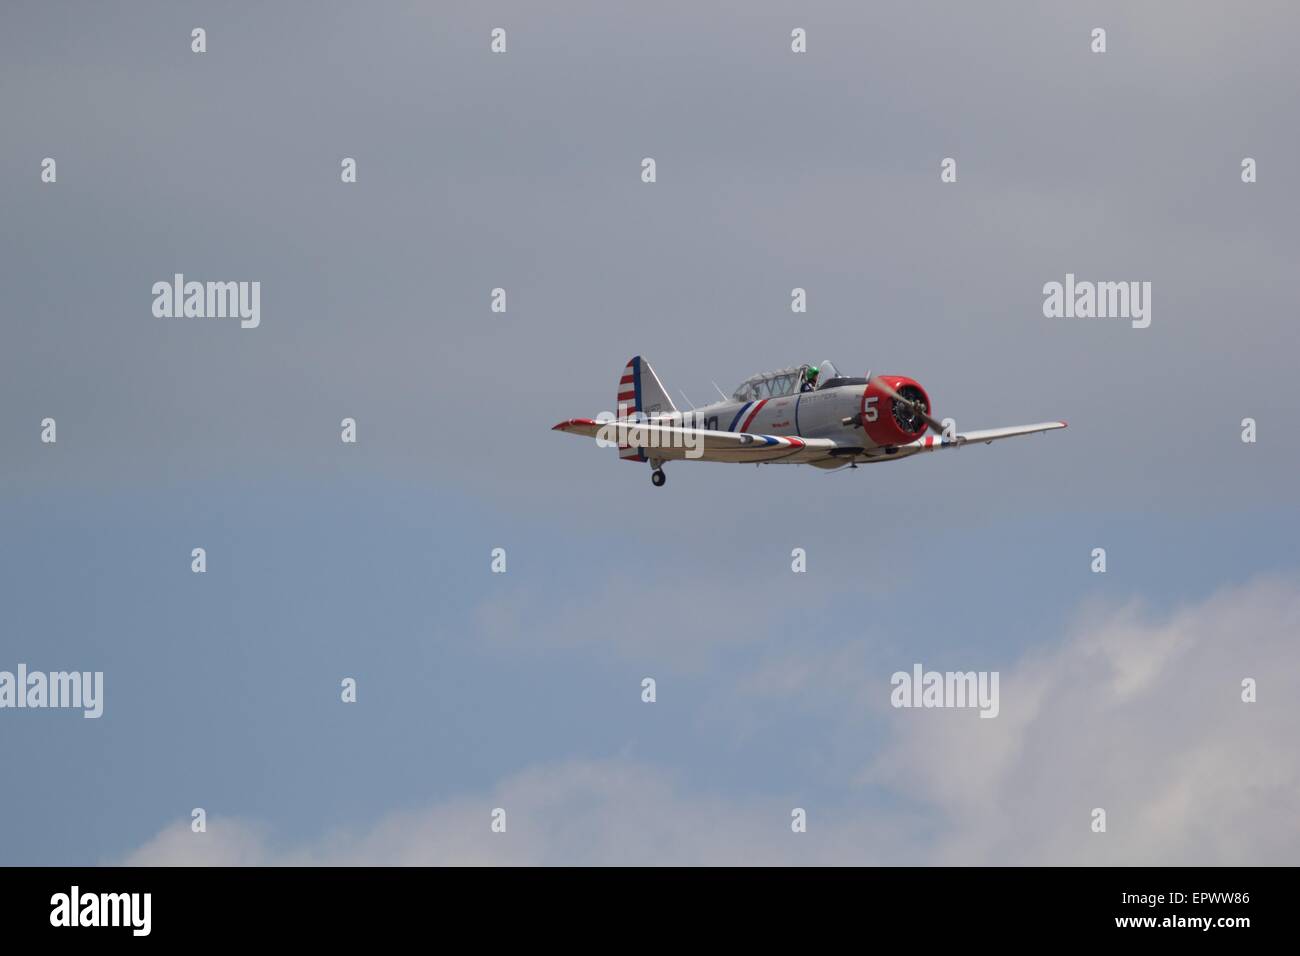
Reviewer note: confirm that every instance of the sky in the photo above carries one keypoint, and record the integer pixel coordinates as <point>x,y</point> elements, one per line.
<point>523,691</point>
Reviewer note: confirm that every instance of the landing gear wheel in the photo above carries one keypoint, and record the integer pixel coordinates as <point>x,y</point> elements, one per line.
<point>657,477</point>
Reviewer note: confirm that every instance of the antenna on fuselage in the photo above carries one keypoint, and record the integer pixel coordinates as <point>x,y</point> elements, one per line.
<point>720,391</point>
<point>687,397</point>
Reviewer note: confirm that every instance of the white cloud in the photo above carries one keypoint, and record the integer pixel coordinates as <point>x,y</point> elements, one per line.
<point>1139,714</point>
<point>576,813</point>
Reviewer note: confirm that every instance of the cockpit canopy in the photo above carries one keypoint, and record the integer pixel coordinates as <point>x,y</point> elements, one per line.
<point>784,381</point>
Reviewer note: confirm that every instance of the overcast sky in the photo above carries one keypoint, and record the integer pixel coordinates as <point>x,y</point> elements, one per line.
<point>523,690</point>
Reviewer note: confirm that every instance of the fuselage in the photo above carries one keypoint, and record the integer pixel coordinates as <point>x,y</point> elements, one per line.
<point>844,409</point>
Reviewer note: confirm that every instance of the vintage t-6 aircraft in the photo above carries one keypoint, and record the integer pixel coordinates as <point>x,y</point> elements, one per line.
<point>807,414</point>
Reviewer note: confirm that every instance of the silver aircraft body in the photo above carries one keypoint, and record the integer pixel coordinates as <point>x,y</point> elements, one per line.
<point>805,414</point>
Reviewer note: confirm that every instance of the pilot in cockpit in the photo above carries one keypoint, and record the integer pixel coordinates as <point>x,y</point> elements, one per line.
<point>809,378</point>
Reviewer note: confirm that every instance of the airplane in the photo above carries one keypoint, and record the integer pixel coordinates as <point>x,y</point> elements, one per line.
<point>805,414</point>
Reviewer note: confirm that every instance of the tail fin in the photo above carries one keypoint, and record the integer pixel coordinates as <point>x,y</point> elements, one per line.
<point>639,390</point>
<point>640,395</point>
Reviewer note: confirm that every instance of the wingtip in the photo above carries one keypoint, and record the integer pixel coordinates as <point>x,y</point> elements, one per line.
<point>571,423</point>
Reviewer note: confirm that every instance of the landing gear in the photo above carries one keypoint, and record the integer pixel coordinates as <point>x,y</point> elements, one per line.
<point>657,477</point>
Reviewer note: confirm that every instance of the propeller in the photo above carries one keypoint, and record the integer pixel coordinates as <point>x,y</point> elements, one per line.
<point>916,406</point>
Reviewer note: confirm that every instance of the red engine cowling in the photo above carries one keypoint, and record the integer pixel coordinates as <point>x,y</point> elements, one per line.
<point>886,420</point>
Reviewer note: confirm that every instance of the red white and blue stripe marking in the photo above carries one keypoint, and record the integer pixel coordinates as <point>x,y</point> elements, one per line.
<point>629,405</point>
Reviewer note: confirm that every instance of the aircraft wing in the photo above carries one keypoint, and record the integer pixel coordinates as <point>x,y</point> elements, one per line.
<point>672,443</point>
<point>981,436</point>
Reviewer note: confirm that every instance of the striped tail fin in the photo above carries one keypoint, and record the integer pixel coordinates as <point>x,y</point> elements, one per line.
<point>640,396</point>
